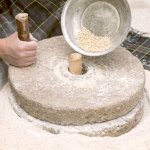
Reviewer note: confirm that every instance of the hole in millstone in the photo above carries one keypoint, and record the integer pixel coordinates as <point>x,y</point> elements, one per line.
<point>84,69</point>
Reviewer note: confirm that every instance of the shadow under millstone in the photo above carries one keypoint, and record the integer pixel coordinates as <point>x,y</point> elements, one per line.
<point>3,74</point>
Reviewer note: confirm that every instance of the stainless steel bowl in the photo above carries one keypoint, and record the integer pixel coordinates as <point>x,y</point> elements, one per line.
<point>110,18</point>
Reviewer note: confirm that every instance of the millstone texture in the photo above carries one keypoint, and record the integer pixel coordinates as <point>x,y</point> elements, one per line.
<point>112,87</point>
<point>112,128</point>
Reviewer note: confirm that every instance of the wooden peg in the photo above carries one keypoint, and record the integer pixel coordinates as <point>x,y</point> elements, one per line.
<point>22,26</point>
<point>75,63</point>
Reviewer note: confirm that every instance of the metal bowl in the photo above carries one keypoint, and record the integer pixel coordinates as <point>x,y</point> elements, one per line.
<point>110,18</point>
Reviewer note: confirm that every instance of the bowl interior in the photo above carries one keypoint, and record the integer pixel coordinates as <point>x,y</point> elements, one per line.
<point>102,17</point>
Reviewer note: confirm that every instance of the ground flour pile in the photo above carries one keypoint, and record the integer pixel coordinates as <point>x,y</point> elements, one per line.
<point>19,134</point>
<point>90,42</point>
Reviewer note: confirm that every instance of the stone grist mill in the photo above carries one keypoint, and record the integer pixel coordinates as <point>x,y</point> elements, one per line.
<point>98,94</point>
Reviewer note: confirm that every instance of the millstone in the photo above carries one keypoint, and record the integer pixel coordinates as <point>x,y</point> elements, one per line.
<point>112,86</point>
<point>112,128</point>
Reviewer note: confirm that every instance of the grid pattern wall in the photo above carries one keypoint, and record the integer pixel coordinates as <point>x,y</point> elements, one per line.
<point>139,46</point>
<point>44,22</point>
<point>44,16</point>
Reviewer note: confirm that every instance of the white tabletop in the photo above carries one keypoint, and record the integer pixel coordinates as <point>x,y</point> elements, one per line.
<point>140,14</point>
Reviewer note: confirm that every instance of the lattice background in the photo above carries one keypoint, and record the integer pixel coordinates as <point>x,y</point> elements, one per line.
<point>140,47</point>
<point>44,22</point>
<point>44,16</point>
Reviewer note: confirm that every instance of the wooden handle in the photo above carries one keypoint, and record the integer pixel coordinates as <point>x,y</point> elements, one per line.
<point>22,26</point>
<point>75,63</point>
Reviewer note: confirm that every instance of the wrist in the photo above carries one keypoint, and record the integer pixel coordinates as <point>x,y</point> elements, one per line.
<point>2,47</point>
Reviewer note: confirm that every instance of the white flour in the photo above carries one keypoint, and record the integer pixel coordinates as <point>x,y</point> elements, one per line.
<point>18,134</point>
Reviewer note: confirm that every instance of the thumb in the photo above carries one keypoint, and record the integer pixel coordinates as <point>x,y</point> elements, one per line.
<point>32,38</point>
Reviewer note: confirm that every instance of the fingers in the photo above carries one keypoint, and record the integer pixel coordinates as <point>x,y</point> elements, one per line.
<point>28,46</point>
<point>20,63</point>
<point>30,59</point>
<point>26,62</point>
<point>20,53</point>
<point>31,53</point>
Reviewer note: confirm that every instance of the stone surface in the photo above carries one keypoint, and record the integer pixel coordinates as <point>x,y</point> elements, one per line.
<point>112,86</point>
<point>111,128</point>
<point>19,134</point>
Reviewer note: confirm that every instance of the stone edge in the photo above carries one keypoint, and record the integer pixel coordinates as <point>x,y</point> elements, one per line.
<point>111,128</point>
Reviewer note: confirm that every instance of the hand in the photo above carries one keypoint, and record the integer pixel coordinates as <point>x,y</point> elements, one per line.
<point>19,53</point>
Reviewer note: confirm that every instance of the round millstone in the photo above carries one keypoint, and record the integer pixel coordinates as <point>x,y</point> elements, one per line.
<point>112,86</point>
<point>111,128</point>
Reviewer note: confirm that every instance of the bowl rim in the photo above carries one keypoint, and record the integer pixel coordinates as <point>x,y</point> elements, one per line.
<point>80,50</point>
